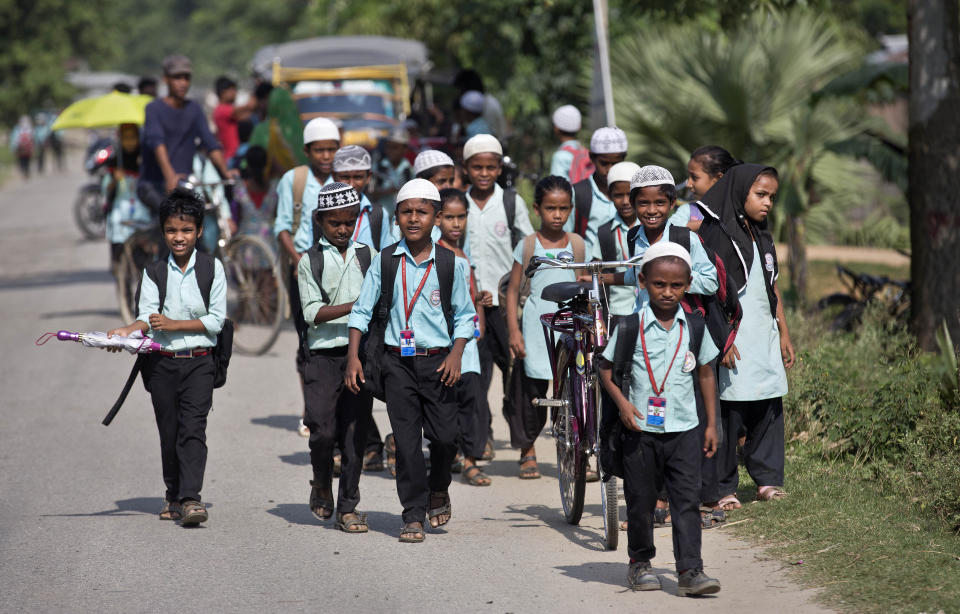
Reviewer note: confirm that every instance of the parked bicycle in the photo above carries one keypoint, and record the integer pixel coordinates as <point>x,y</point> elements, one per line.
<point>862,290</point>
<point>577,331</point>
<point>255,300</point>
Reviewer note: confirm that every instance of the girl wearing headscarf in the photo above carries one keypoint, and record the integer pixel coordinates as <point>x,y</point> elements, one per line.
<point>752,382</point>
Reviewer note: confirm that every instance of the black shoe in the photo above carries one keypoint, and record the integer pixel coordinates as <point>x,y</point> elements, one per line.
<point>641,577</point>
<point>694,582</point>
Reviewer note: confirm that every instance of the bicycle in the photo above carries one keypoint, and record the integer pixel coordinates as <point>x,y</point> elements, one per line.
<point>581,323</point>
<point>863,289</point>
<point>255,300</point>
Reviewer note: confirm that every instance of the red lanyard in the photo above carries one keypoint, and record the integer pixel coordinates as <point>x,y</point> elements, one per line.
<point>408,307</point>
<point>620,243</point>
<point>356,233</point>
<point>646,360</point>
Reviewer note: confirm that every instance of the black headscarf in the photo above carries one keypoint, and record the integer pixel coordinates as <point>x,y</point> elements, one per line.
<point>724,228</point>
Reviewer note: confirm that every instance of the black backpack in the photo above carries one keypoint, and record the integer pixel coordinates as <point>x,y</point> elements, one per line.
<point>316,269</point>
<point>722,310</point>
<point>611,451</point>
<point>582,203</point>
<point>510,209</point>
<point>373,350</point>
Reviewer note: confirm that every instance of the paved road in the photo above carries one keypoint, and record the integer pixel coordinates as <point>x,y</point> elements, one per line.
<point>78,502</point>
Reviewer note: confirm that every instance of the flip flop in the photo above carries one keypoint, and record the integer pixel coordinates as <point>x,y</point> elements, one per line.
<point>170,511</point>
<point>441,510</point>
<point>474,476</point>
<point>408,535</point>
<point>729,503</point>
<point>770,493</point>
<point>529,473</point>
<point>356,524</point>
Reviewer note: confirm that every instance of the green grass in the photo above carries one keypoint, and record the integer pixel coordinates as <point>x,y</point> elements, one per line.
<point>869,547</point>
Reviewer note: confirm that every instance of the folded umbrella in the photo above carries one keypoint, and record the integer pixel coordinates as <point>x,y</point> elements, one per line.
<point>136,343</point>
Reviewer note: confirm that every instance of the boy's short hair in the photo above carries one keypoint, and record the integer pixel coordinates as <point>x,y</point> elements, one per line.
<point>223,84</point>
<point>182,202</point>
<point>448,194</point>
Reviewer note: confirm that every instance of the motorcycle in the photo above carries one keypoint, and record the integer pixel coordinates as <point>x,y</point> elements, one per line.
<point>89,208</point>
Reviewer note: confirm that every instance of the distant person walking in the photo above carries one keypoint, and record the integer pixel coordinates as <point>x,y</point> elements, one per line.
<point>21,144</point>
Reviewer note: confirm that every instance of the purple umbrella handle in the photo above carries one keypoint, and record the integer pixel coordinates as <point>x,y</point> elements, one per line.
<point>65,335</point>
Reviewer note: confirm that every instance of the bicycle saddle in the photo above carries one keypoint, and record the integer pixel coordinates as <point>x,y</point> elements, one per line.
<point>563,291</point>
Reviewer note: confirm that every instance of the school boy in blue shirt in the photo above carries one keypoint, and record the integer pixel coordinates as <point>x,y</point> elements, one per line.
<point>334,414</point>
<point>422,358</point>
<point>661,429</point>
<point>181,377</point>
<point>566,124</point>
<point>592,204</point>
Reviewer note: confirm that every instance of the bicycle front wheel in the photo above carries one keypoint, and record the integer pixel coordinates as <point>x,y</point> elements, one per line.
<point>254,296</point>
<point>571,461</point>
<point>89,214</point>
<point>611,513</point>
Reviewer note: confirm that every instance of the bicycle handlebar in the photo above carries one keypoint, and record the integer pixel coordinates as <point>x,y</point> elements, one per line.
<point>594,266</point>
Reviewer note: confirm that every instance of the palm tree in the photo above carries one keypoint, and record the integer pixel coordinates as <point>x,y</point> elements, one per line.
<point>752,90</point>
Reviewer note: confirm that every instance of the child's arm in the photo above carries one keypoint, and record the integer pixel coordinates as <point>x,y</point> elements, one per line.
<point>629,415</point>
<point>481,319</point>
<point>283,224</point>
<point>704,273</point>
<point>359,321</point>
<point>708,388</point>
<point>449,370</point>
<point>463,323</point>
<point>517,348</point>
<point>786,346</point>
<point>354,370</point>
<point>312,299</point>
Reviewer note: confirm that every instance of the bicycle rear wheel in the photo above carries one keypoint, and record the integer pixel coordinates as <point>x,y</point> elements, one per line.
<point>138,251</point>
<point>254,296</point>
<point>611,513</point>
<point>571,461</point>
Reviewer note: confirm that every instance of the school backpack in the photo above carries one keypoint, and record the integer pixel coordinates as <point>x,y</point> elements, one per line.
<point>445,261</point>
<point>510,209</point>
<point>722,310</point>
<point>611,451</point>
<point>529,246</point>
<point>608,247</point>
<point>582,166</point>
<point>582,203</point>
<point>316,269</point>
<point>25,144</point>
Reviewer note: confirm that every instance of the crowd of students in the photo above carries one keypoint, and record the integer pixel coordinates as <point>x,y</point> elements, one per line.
<point>420,297</point>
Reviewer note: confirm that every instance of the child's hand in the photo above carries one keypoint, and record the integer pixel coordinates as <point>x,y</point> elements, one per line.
<point>630,417</point>
<point>730,358</point>
<point>710,441</point>
<point>585,277</point>
<point>517,348</point>
<point>485,299</point>
<point>450,369</point>
<point>158,321</point>
<point>353,373</point>
<point>786,351</point>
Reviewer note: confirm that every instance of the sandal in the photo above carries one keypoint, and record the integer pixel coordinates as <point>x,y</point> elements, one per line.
<point>373,461</point>
<point>711,517</point>
<point>390,449</point>
<point>623,525</point>
<point>322,507</point>
<point>661,517</point>
<point>352,522</point>
<point>457,465</point>
<point>729,503</point>
<point>170,511</point>
<point>444,509</point>
<point>194,513</point>
<point>529,473</point>
<point>410,532</point>
<point>488,452</point>
<point>770,493</point>
<point>474,476</point>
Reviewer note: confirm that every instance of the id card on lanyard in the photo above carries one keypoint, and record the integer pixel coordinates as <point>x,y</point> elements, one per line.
<point>657,404</point>
<point>408,342</point>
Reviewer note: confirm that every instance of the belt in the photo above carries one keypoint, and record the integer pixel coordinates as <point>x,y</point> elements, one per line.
<point>419,351</point>
<point>194,353</point>
<point>337,351</point>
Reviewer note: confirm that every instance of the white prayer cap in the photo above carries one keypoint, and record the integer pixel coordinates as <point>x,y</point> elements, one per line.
<point>622,171</point>
<point>608,140</point>
<point>398,135</point>
<point>481,143</point>
<point>430,158</point>
<point>665,248</point>
<point>472,101</point>
<point>351,158</point>
<point>650,175</point>
<point>337,196</point>
<point>567,119</point>
<point>320,129</point>
<point>418,188</point>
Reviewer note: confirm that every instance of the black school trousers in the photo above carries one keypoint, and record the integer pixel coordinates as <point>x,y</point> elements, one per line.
<point>675,456</point>
<point>494,348</point>
<point>763,450</point>
<point>471,416</point>
<point>419,405</point>
<point>182,393</point>
<point>374,441</point>
<point>525,420</point>
<point>336,418</point>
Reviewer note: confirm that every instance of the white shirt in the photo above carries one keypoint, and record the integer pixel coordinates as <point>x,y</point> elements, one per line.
<point>488,236</point>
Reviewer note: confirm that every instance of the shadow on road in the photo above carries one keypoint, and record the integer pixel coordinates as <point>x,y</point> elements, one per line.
<point>553,518</point>
<point>299,513</point>
<point>126,507</point>
<point>286,422</point>
<point>615,574</point>
<point>57,278</point>
<point>297,458</point>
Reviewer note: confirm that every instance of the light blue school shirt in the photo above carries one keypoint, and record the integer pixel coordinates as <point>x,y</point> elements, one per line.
<point>702,270</point>
<point>427,321</point>
<point>477,126</point>
<point>184,302</point>
<point>363,233</point>
<point>470,363</point>
<point>562,160</point>
<point>602,211</point>
<point>303,234</point>
<point>622,299</point>
<point>126,212</point>
<point>681,411</point>
<point>342,280</point>
<point>537,362</point>
<point>759,373</point>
